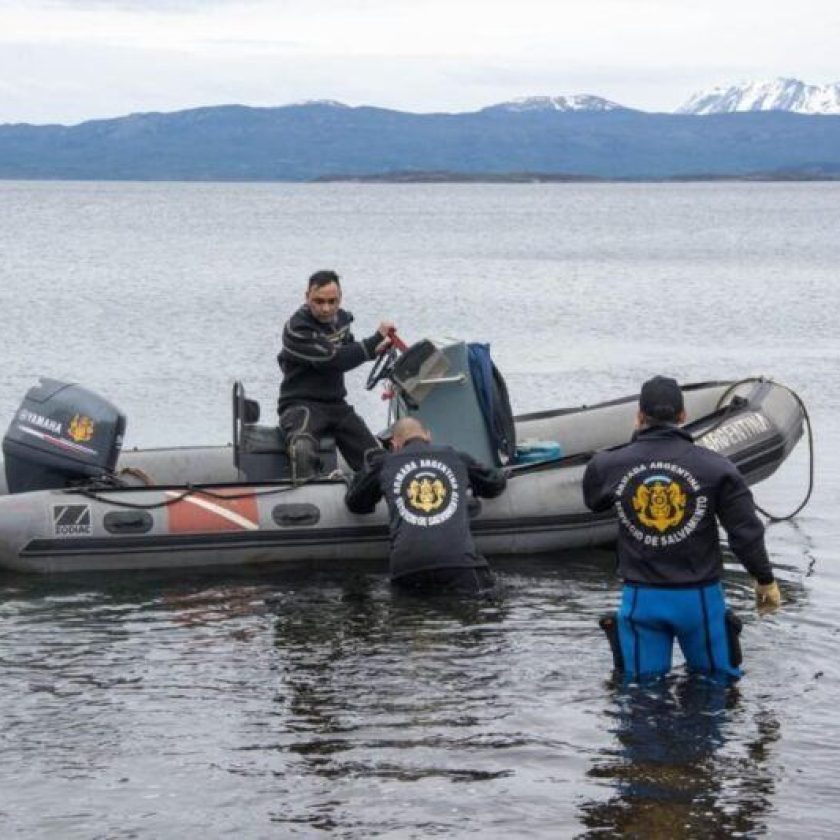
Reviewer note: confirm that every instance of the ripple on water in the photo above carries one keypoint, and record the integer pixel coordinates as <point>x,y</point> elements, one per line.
<point>281,702</point>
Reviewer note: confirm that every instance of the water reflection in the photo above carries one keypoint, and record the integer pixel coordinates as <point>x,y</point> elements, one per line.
<point>674,768</point>
<point>797,542</point>
<point>319,699</point>
<point>422,714</point>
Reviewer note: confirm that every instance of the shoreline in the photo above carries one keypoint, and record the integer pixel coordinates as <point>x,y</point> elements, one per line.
<point>456,178</point>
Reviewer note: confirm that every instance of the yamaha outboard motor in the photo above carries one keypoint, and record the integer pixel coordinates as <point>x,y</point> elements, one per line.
<point>61,435</point>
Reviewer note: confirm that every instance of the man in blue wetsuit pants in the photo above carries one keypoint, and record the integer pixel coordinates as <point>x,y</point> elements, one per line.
<point>669,495</point>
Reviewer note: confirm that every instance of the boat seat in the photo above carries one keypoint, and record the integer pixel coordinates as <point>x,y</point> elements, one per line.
<point>261,439</point>
<point>260,452</point>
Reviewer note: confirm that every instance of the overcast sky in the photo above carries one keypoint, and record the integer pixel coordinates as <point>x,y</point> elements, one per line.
<point>70,60</point>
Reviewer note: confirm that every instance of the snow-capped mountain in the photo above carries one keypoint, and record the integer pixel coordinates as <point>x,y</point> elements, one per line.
<point>579,102</point>
<point>772,95</point>
<point>329,103</point>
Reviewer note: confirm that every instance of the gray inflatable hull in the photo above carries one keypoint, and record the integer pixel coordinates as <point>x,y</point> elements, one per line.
<point>196,512</point>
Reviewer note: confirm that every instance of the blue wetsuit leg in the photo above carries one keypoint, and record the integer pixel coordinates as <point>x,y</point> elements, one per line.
<point>646,637</point>
<point>703,638</point>
<point>651,617</point>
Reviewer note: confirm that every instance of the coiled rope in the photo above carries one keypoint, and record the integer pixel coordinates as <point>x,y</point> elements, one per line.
<point>732,406</point>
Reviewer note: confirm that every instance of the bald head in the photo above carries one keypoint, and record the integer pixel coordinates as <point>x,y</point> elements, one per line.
<point>406,429</point>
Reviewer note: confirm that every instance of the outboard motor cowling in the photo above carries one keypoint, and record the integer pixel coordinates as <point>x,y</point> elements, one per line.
<point>61,435</point>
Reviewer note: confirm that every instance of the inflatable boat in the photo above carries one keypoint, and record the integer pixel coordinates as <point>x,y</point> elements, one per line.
<point>73,501</point>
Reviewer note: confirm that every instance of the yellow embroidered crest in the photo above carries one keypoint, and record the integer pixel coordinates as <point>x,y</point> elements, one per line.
<point>660,504</point>
<point>426,495</point>
<point>80,428</point>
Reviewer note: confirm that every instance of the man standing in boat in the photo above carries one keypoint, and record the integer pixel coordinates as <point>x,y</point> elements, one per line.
<point>669,495</point>
<point>425,488</point>
<point>318,348</point>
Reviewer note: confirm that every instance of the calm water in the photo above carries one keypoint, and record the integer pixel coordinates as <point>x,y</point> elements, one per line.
<point>315,702</point>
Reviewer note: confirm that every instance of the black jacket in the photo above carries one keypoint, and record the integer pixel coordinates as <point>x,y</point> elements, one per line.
<point>315,356</point>
<point>425,488</point>
<point>669,495</point>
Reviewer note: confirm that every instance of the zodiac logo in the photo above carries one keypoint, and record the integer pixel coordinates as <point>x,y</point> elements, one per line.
<point>660,503</point>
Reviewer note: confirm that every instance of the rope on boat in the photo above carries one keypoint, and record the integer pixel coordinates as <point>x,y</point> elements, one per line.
<point>94,493</point>
<point>732,406</point>
<point>807,498</point>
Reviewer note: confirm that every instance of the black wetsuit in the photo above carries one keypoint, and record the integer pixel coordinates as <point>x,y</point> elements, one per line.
<point>425,487</point>
<point>669,495</point>
<point>312,403</point>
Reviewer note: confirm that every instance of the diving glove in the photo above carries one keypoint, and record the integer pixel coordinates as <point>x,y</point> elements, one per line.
<point>767,595</point>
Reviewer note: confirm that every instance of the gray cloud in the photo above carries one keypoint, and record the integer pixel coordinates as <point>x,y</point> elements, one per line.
<point>130,55</point>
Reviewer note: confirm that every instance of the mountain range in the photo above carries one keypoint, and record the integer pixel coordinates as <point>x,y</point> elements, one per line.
<point>757,132</point>
<point>778,94</point>
<point>773,95</point>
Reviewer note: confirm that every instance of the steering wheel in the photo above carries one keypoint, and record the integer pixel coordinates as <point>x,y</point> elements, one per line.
<point>382,368</point>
